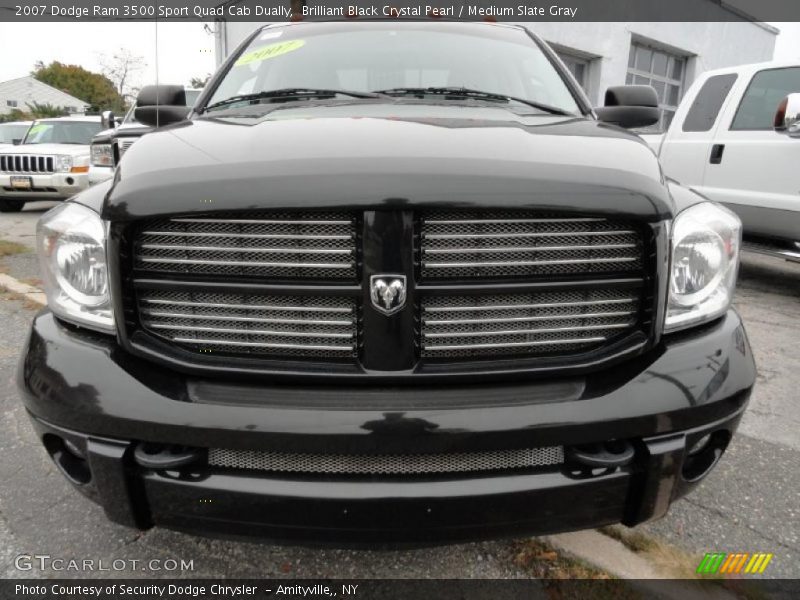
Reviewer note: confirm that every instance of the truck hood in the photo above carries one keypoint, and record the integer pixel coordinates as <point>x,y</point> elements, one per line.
<point>50,149</point>
<point>372,155</point>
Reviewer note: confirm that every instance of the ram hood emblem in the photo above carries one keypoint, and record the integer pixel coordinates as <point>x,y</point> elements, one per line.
<point>388,292</point>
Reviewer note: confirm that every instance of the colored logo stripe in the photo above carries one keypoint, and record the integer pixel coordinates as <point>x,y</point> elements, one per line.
<point>735,562</point>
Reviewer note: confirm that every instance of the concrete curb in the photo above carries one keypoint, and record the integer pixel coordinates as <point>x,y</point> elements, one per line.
<point>11,284</point>
<point>613,557</point>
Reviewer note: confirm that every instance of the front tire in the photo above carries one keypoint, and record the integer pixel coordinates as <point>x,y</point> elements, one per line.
<point>8,205</point>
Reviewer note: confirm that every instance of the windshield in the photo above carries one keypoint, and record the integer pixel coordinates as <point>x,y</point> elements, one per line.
<point>191,98</point>
<point>12,131</point>
<point>368,57</point>
<point>62,132</point>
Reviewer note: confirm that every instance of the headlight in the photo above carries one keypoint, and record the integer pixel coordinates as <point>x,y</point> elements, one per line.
<point>102,155</point>
<point>63,163</point>
<point>71,241</point>
<point>706,239</point>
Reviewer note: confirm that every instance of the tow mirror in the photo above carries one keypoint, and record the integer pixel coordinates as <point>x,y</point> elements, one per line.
<point>107,119</point>
<point>630,106</point>
<point>160,105</point>
<point>787,117</point>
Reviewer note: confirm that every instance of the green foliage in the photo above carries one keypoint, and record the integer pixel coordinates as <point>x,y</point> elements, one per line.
<point>15,115</point>
<point>96,90</point>
<point>44,111</point>
<point>199,82</point>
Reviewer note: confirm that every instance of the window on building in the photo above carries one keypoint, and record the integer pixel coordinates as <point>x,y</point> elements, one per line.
<point>71,109</point>
<point>579,67</point>
<point>662,70</point>
<point>704,110</point>
<point>757,109</point>
<point>12,103</point>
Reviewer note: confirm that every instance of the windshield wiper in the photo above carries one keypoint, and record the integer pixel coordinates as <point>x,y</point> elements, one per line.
<point>462,92</point>
<point>290,94</point>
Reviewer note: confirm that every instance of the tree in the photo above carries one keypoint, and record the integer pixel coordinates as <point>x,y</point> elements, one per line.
<point>121,69</point>
<point>44,111</point>
<point>93,88</point>
<point>199,82</point>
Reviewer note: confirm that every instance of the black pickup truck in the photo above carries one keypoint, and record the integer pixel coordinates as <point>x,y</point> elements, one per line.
<point>386,283</point>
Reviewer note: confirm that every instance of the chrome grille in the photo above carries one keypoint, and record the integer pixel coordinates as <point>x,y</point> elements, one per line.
<point>526,324</point>
<point>288,245</point>
<point>223,323</point>
<point>387,464</point>
<point>519,243</point>
<point>26,163</point>
<point>124,145</point>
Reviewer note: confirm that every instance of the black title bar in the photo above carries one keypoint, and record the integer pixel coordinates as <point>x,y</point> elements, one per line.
<point>463,10</point>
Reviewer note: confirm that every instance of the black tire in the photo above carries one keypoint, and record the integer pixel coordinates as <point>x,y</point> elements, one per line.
<point>8,205</point>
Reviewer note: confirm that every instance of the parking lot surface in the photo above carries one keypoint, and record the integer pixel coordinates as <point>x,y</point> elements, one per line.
<point>750,503</point>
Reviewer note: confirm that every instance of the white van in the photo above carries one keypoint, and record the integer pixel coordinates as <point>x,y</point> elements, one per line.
<point>736,139</point>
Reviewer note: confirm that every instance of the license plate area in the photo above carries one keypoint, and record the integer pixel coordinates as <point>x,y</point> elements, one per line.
<point>21,183</point>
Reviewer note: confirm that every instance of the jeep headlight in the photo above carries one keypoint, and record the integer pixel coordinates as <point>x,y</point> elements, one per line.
<point>63,163</point>
<point>102,155</point>
<point>706,239</point>
<point>71,241</point>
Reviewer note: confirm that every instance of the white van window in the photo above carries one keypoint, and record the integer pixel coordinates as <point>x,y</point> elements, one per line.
<point>757,109</point>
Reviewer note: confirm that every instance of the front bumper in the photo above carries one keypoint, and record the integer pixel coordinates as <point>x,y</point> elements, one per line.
<point>54,186</point>
<point>81,387</point>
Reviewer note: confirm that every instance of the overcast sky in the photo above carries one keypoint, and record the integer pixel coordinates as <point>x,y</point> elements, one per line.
<point>185,50</point>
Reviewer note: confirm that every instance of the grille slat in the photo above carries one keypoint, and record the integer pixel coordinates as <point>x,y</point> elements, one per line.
<point>513,244</point>
<point>26,163</point>
<point>540,323</point>
<point>387,464</point>
<point>210,322</point>
<point>278,245</point>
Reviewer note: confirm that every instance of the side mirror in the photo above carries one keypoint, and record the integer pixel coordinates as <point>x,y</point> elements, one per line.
<point>787,117</point>
<point>16,141</point>
<point>160,105</point>
<point>107,119</point>
<point>630,106</point>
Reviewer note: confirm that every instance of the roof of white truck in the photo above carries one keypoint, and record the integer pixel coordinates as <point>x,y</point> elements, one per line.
<point>753,67</point>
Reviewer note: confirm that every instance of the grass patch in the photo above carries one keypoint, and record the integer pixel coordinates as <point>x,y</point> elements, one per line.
<point>569,577</point>
<point>26,302</point>
<point>633,540</point>
<point>33,281</point>
<point>8,248</point>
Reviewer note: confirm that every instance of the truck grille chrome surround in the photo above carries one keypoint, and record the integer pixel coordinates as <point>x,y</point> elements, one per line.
<point>388,464</point>
<point>525,324</point>
<point>458,245</point>
<point>494,286</point>
<point>282,246</point>
<point>26,163</point>
<point>301,326</point>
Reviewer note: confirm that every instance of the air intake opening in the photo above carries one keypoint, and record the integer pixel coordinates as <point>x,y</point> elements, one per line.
<point>66,456</point>
<point>703,456</point>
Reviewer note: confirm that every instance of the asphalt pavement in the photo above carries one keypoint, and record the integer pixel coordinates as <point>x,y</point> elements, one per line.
<point>750,503</point>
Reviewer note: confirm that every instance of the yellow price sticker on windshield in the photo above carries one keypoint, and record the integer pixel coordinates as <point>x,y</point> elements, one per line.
<point>271,51</point>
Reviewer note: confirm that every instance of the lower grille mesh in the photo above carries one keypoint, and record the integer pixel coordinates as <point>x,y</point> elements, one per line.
<point>399,464</point>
